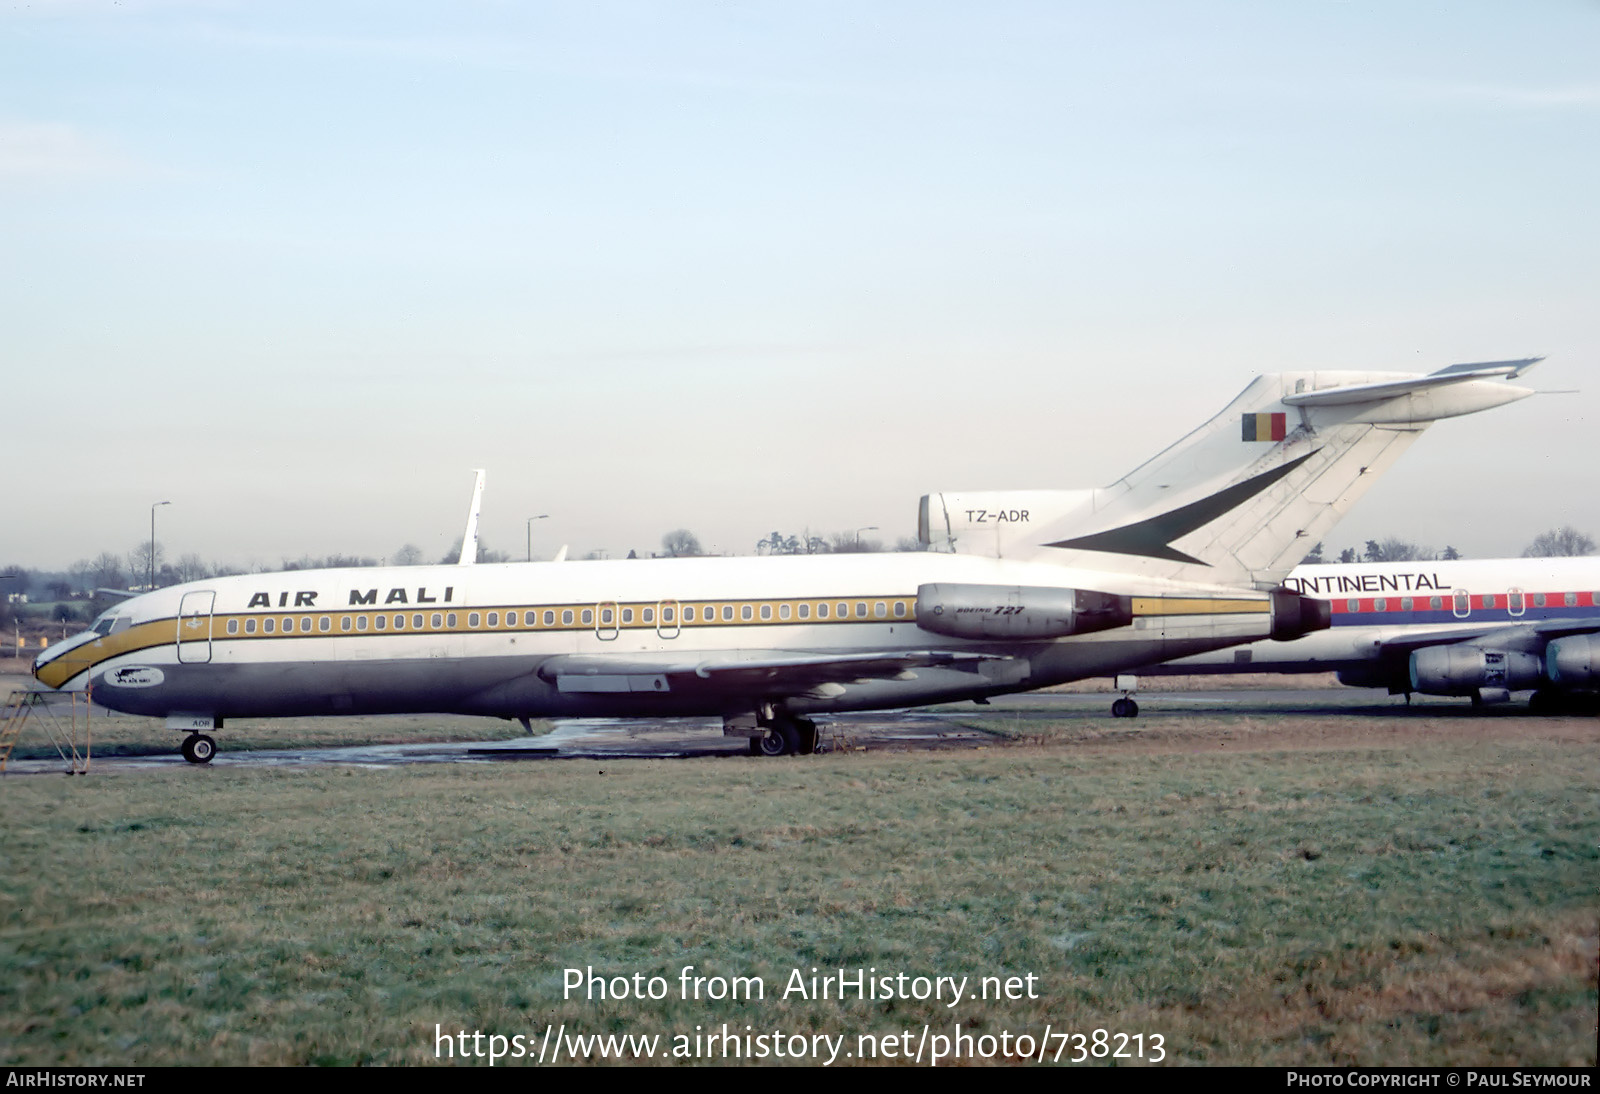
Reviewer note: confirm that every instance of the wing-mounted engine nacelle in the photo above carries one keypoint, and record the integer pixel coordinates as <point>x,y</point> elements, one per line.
<point>1573,662</point>
<point>1018,611</point>
<point>1294,616</point>
<point>1465,670</point>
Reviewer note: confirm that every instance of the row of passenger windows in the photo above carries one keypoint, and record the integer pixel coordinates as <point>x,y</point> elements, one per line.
<point>610,615</point>
<point>1463,602</point>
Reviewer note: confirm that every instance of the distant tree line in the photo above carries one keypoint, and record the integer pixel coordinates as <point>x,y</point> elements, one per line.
<point>1561,542</point>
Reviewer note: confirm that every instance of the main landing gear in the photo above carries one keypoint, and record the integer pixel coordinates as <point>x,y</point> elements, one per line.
<point>784,735</point>
<point>198,748</point>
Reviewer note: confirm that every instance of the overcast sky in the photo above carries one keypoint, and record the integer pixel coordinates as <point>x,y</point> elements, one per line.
<point>737,267</point>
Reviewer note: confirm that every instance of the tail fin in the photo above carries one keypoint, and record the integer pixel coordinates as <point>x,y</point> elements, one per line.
<point>1242,498</point>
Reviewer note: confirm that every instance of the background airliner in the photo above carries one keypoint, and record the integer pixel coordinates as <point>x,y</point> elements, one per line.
<point>1017,590</point>
<point>1481,628</point>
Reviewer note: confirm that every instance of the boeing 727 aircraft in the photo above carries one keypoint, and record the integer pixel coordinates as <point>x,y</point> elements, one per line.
<point>1016,591</point>
<point>1482,628</point>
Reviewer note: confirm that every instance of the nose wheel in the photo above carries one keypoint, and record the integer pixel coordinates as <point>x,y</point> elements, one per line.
<point>198,748</point>
<point>1125,707</point>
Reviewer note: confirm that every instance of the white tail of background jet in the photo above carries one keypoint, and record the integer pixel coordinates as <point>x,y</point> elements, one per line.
<point>469,538</point>
<point>1243,498</point>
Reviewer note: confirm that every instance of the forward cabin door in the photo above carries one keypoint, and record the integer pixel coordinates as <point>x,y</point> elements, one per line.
<point>194,627</point>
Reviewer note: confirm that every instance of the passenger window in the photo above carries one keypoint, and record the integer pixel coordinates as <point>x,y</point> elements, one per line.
<point>450,619</point>
<point>899,609</point>
<point>627,615</point>
<point>727,613</point>
<point>666,615</point>
<point>650,614</point>
<point>844,611</point>
<point>324,624</point>
<point>549,618</point>
<point>783,611</point>
<point>1538,600</point>
<point>472,619</point>
<point>233,626</point>
<point>267,625</point>
<point>1571,600</point>
<point>1435,602</point>
<point>399,622</point>
<point>861,609</point>
<point>745,613</point>
<point>1515,602</point>
<point>1352,605</point>
<point>605,615</point>
<point>249,626</point>
<point>805,611</point>
<point>361,622</point>
<point>588,616</point>
<point>494,619</point>
<point>688,615</point>
<point>416,622</point>
<point>566,617</point>
<point>1405,603</point>
<point>511,619</point>
<point>381,622</point>
<point>344,623</point>
<point>822,611</point>
<point>766,611</point>
<point>1380,605</point>
<point>880,609</point>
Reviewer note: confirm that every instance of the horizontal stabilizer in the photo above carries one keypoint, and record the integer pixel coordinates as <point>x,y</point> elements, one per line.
<point>1352,394</point>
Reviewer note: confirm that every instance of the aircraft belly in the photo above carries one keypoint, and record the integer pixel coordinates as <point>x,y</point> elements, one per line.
<point>281,689</point>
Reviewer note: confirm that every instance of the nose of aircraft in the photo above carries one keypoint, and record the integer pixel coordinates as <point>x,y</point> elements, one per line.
<point>56,667</point>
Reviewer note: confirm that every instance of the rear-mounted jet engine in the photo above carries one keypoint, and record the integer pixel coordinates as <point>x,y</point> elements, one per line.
<point>1018,611</point>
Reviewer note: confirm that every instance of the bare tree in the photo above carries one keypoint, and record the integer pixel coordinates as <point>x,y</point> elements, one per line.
<point>453,555</point>
<point>106,572</point>
<point>851,543</point>
<point>1563,542</point>
<point>139,561</point>
<point>190,567</point>
<point>681,543</point>
<point>1395,549</point>
<point>411,555</point>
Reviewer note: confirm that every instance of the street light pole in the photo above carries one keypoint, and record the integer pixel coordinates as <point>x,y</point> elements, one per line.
<point>868,528</point>
<point>153,541</point>
<point>541,516</point>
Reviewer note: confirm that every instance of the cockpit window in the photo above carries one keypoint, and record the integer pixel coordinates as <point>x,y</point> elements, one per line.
<point>111,624</point>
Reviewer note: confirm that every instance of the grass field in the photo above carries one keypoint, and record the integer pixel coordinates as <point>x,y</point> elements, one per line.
<point>1254,890</point>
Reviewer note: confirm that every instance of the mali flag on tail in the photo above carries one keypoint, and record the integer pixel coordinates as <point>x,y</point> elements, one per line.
<point>1264,427</point>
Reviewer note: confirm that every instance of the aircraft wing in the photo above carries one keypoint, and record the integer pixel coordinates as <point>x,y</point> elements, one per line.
<point>1501,635</point>
<point>762,673</point>
<point>1529,637</point>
